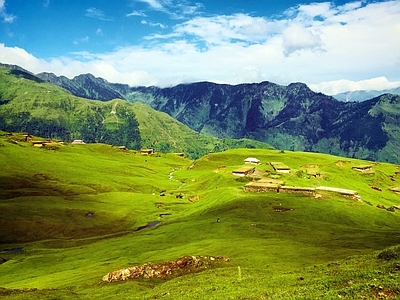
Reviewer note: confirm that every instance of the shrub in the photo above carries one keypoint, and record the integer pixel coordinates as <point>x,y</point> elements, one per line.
<point>390,253</point>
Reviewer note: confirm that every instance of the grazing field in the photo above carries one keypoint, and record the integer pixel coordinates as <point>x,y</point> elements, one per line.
<point>70,214</point>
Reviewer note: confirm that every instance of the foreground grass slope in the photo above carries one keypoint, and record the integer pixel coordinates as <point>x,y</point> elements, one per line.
<point>75,211</point>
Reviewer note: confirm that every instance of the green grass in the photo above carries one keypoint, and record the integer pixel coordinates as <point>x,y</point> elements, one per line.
<point>323,248</point>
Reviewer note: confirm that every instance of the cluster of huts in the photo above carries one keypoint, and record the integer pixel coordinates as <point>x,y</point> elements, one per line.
<point>275,185</point>
<point>249,169</point>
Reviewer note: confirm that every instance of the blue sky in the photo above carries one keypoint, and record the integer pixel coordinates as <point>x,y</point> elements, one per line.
<point>331,46</point>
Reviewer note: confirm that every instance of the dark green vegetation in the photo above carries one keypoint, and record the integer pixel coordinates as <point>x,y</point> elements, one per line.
<point>74,211</point>
<point>44,109</point>
<point>27,104</point>
<point>287,117</point>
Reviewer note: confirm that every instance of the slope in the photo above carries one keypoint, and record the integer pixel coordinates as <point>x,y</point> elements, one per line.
<point>75,212</point>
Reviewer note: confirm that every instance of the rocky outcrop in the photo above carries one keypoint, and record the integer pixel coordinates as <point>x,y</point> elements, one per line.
<point>180,266</point>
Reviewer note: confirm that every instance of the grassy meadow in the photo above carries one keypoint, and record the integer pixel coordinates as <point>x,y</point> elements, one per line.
<point>69,215</point>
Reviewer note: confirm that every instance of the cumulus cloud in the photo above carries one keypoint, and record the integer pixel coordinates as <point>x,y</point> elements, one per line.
<point>220,29</point>
<point>331,48</point>
<point>296,38</point>
<point>339,86</point>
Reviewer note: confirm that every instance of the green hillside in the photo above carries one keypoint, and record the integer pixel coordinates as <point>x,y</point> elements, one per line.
<point>30,105</point>
<point>70,214</point>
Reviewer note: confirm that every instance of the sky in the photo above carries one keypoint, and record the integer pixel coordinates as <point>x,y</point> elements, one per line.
<point>331,46</point>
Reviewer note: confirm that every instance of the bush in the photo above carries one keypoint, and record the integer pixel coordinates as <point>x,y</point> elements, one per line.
<point>243,179</point>
<point>390,253</point>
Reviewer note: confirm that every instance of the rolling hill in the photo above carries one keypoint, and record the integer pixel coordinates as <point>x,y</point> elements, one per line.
<point>71,214</point>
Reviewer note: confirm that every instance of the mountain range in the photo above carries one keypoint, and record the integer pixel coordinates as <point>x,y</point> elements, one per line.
<point>289,117</point>
<point>362,95</point>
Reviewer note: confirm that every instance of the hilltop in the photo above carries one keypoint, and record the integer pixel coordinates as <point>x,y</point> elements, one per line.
<point>70,214</point>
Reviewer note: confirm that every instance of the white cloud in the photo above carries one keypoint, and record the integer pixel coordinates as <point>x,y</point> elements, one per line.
<point>144,22</point>
<point>137,13</point>
<point>296,38</point>
<point>343,85</point>
<point>221,29</point>
<point>154,4</point>
<point>331,48</point>
<point>175,9</point>
<point>82,40</point>
<point>7,18</point>
<point>95,13</point>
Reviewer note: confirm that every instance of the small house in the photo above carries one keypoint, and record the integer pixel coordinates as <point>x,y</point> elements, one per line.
<point>343,192</point>
<point>297,189</point>
<point>395,189</point>
<point>78,142</point>
<point>180,154</point>
<point>252,161</point>
<point>280,167</point>
<point>362,168</point>
<point>260,187</point>
<point>313,172</point>
<point>124,148</point>
<point>146,151</point>
<point>243,171</point>
<point>38,143</point>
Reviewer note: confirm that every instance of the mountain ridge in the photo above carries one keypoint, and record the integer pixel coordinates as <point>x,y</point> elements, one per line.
<point>44,109</point>
<point>362,95</point>
<point>289,117</point>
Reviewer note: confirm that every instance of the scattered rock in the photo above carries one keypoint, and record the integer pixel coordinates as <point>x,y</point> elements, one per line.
<point>148,225</point>
<point>376,188</point>
<point>381,206</point>
<point>12,250</point>
<point>281,209</point>
<point>334,263</point>
<point>180,266</point>
<point>391,209</point>
<point>193,198</point>
<point>164,215</point>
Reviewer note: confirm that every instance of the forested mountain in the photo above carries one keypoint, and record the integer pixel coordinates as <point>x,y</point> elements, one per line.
<point>29,104</point>
<point>287,117</point>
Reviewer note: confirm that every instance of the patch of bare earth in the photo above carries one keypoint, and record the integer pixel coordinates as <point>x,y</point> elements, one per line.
<point>178,267</point>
